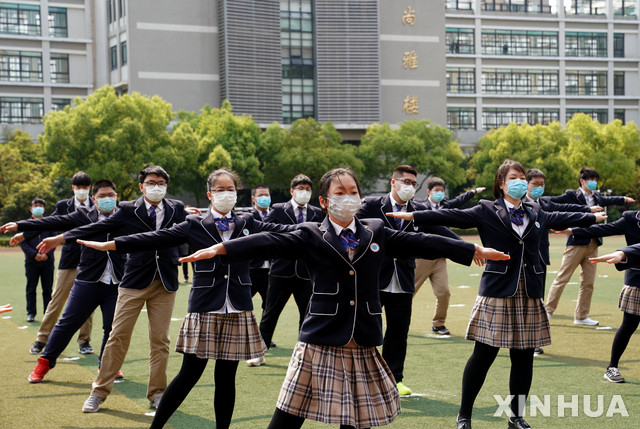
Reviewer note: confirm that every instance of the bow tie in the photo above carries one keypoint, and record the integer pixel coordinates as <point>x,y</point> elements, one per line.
<point>517,216</point>
<point>348,239</point>
<point>222,223</point>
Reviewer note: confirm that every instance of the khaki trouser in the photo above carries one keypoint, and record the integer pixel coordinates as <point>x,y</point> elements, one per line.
<point>64,283</point>
<point>159,308</point>
<point>436,271</point>
<point>572,257</point>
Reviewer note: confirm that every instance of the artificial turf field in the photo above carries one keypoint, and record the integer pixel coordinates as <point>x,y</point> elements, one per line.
<point>573,365</point>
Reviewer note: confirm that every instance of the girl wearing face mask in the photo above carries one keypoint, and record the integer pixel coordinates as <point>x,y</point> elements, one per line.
<point>509,311</point>
<point>336,375</point>
<point>220,323</point>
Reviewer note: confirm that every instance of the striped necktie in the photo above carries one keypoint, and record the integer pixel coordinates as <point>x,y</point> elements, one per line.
<point>300,214</point>
<point>152,215</point>
<point>348,239</point>
<point>397,219</point>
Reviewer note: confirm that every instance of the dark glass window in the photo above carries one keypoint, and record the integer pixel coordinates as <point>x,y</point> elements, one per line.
<point>60,103</point>
<point>520,42</point>
<point>123,53</point>
<point>619,114</point>
<point>20,19</point>
<point>20,110</point>
<point>120,8</point>
<point>586,7</point>
<point>520,82</point>
<point>586,82</point>
<point>20,66</point>
<point>585,44</point>
<point>618,83</point>
<point>618,45</point>
<point>461,118</point>
<point>502,116</point>
<point>461,80</point>
<point>529,6</point>
<point>114,57</point>
<point>625,7</point>
<point>460,41</point>
<point>60,68</point>
<point>459,4</point>
<point>58,22</point>
<point>599,115</point>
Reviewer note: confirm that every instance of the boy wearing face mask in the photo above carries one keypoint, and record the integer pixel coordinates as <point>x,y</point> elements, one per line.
<point>37,266</point>
<point>436,270</point>
<point>96,282</point>
<point>287,277</point>
<point>261,199</point>
<point>579,250</point>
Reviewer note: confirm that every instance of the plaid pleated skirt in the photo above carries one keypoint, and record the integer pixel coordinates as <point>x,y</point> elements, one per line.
<point>227,336</point>
<point>629,301</point>
<point>515,322</point>
<point>348,385</point>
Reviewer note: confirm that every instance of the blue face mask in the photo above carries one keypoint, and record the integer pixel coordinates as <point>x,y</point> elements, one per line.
<point>37,211</point>
<point>536,192</point>
<point>592,185</point>
<point>517,188</point>
<point>437,196</point>
<point>263,202</point>
<point>106,204</point>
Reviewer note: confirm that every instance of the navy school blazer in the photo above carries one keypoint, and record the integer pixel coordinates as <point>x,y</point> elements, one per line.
<point>500,278</point>
<point>629,225</point>
<point>576,196</point>
<point>284,214</point>
<point>214,280</point>
<point>375,208</point>
<point>92,262</point>
<point>345,300</point>
<point>258,262</point>
<point>141,267</point>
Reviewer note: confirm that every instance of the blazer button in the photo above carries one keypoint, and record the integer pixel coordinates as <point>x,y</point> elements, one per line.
<point>520,241</point>
<point>352,303</point>
<point>226,276</point>
<point>351,272</point>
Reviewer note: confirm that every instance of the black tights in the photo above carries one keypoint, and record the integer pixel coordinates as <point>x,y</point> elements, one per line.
<point>476,371</point>
<point>623,335</point>
<point>224,398</point>
<point>284,420</point>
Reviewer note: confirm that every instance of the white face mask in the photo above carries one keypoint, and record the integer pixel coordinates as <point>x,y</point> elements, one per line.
<point>224,201</point>
<point>155,193</point>
<point>81,194</point>
<point>406,192</point>
<point>301,197</point>
<point>344,207</point>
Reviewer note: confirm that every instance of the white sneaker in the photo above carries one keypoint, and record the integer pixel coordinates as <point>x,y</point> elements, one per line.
<point>92,404</point>
<point>156,402</point>
<point>587,322</point>
<point>256,361</point>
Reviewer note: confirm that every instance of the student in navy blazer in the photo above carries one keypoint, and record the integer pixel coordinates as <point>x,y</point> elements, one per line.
<point>288,278</point>
<point>629,302</point>
<point>261,199</point>
<point>220,323</point>
<point>336,374</point>
<point>96,282</point>
<point>508,290</point>
<point>578,251</point>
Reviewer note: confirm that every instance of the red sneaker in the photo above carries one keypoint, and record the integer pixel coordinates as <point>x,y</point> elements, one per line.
<point>119,375</point>
<point>39,371</point>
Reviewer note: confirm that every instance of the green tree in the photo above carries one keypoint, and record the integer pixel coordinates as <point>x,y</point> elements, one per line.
<point>111,137</point>
<point>426,146</point>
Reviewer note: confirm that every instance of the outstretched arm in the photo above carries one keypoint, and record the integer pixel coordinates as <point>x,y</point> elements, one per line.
<point>206,253</point>
<point>99,245</point>
<point>610,258</point>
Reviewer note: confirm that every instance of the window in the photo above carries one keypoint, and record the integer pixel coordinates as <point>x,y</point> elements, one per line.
<point>120,8</point>
<point>502,116</point>
<point>123,53</point>
<point>20,19</point>
<point>619,114</point>
<point>586,7</point>
<point>58,22</point>
<point>520,82</point>
<point>585,44</point>
<point>530,6</point>
<point>625,7</point>
<point>20,66</point>
<point>111,11</point>
<point>59,68</point>
<point>298,65</point>
<point>586,83</point>
<point>114,57</point>
<point>461,118</point>
<point>599,115</point>
<point>618,83</point>
<point>460,41</point>
<point>461,80</point>
<point>459,4</point>
<point>618,45</point>
<point>18,110</point>
<point>520,42</point>
<point>60,103</point>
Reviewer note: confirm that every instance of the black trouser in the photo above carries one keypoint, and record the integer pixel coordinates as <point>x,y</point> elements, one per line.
<point>397,310</point>
<point>278,293</point>
<point>42,271</point>
<point>260,283</point>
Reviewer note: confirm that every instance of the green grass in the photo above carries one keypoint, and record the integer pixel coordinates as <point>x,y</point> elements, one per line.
<point>572,365</point>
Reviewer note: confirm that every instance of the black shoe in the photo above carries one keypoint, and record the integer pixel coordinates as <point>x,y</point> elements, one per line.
<point>37,347</point>
<point>272,345</point>
<point>538,351</point>
<point>85,349</point>
<point>31,317</point>
<point>440,330</point>
<point>463,423</point>
<point>518,423</point>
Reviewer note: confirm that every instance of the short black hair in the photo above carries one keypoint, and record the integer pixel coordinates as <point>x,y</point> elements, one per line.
<point>501,174</point>
<point>435,181</point>
<point>103,183</point>
<point>213,178</point>
<point>587,173</point>
<point>152,169</point>
<point>301,179</point>
<point>401,169</point>
<point>81,179</point>
<point>533,173</point>
<point>37,200</point>
<point>334,174</point>
<point>253,191</point>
